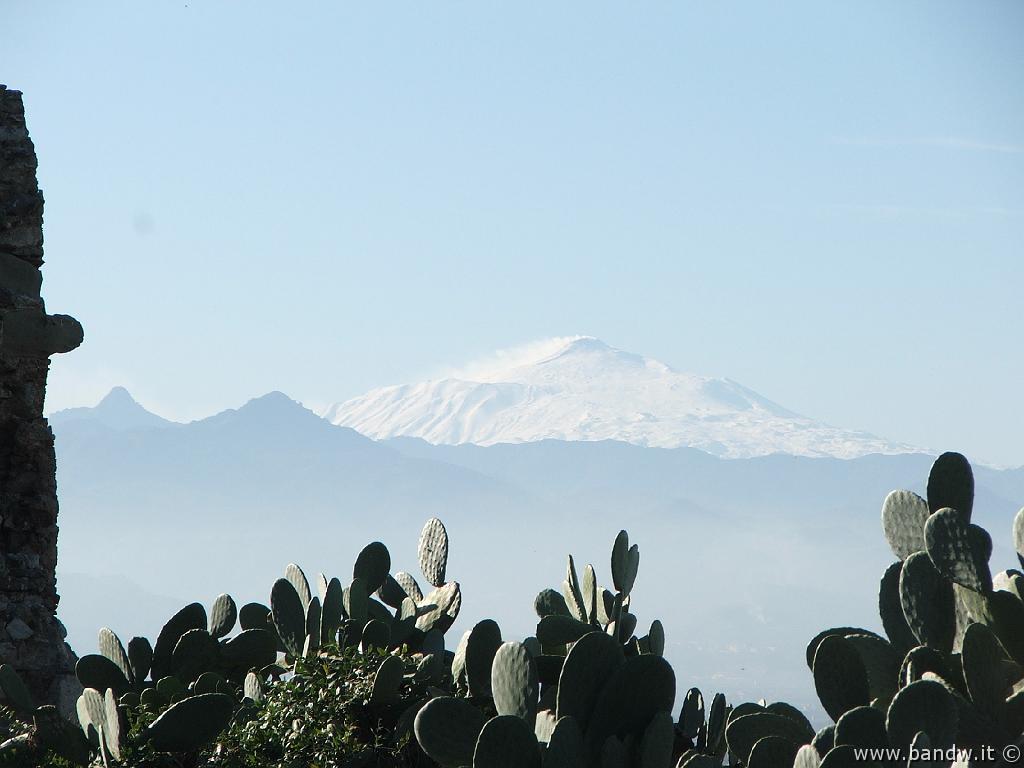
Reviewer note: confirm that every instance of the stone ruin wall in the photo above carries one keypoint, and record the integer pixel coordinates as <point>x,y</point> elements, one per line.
<point>31,637</point>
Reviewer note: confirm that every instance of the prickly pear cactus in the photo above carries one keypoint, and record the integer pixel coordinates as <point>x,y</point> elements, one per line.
<point>949,671</point>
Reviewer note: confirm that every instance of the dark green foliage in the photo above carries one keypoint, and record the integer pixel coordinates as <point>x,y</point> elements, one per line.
<point>333,709</point>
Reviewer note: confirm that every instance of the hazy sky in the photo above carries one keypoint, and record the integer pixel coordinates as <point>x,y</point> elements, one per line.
<point>823,201</point>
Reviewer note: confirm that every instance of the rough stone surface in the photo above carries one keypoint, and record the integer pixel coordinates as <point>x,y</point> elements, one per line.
<point>33,640</point>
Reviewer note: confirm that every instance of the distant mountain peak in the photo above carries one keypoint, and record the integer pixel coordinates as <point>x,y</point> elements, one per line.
<point>116,410</point>
<point>580,388</point>
<point>117,396</point>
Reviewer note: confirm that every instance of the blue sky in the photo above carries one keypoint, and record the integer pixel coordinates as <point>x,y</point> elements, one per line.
<point>823,201</point>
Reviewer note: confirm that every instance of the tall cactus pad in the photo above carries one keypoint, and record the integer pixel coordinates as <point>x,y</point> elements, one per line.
<point>289,615</point>
<point>110,646</point>
<point>372,566</point>
<point>223,615</point>
<point>588,666</point>
<point>625,563</point>
<point>928,602</point>
<point>839,676</point>
<point>639,689</point>
<point>951,484</point>
<point>482,645</point>
<point>433,551</point>
<point>890,609</point>
<point>514,682</point>
<point>298,579</point>
<point>192,616</point>
<point>140,654</point>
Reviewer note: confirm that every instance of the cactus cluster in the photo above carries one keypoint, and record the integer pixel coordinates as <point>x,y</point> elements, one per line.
<point>376,609</point>
<point>585,690</point>
<point>948,673</point>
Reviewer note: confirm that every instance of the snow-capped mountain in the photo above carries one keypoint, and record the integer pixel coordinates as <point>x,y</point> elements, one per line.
<point>579,388</point>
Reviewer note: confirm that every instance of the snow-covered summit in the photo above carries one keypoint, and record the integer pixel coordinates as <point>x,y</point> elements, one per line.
<point>579,388</point>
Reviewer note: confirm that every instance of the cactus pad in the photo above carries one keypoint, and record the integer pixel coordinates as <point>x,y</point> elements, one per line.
<point>922,706</point>
<point>192,616</point>
<point>191,723</point>
<point>514,682</point>
<point>903,517</point>
<point>298,579</point>
<point>289,614</point>
<point>446,729</point>
<point>745,731</point>
<point>951,484</point>
<point>223,615</point>
<point>110,646</point>
<point>637,690</point>
<point>99,672</point>
<point>372,565</point>
<point>506,741</point>
<point>959,550</point>
<point>928,602</point>
<point>484,641</point>
<point>433,551</point>
<point>839,676</point>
